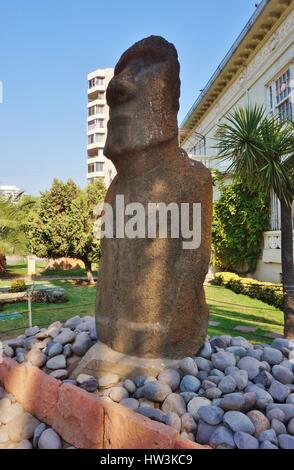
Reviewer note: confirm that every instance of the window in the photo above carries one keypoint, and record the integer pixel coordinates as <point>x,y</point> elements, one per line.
<point>199,144</point>
<point>285,110</point>
<point>283,88</point>
<point>95,138</point>
<point>97,109</point>
<point>276,213</point>
<point>96,122</point>
<point>96,167</point>
<point>91,168</point>
<point>281,95</point>
<point>99,137</point>
<point>101,95</point>
<point>91,111</point>
<point>100,152</point>
<point>99,166</point>
<point>97,81</point>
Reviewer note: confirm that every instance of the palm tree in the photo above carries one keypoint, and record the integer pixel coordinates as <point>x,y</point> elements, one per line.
<point>13,220</point>
<point>261,152</point>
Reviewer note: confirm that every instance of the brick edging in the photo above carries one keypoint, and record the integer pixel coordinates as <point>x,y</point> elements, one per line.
<point>83,419</point>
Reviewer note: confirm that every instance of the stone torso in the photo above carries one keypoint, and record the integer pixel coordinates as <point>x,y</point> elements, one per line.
<point>150,299</point>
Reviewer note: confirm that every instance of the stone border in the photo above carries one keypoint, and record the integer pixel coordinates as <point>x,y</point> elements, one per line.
<point>82,419</point>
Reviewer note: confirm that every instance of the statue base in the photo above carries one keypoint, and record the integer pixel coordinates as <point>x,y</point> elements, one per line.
<point>101,360</point>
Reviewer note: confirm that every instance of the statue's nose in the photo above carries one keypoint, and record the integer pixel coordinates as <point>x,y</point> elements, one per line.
<point>119,90</point>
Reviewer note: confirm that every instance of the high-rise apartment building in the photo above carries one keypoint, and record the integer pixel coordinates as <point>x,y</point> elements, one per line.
<point>98,166</point>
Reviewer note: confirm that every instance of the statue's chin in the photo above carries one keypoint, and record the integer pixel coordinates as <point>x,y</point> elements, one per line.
<point>114,149</point>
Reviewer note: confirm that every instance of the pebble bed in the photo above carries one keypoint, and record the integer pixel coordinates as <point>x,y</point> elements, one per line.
<point>231,395</point>
<point>21,430</point>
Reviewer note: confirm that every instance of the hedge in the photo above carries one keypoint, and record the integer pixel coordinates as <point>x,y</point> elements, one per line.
<point>271,294</point>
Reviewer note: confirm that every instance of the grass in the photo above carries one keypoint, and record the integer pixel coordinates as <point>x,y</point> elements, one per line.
<point>81,301</point>
<point>225,306</point>
<point>231,310</point>
<point>20,270</point>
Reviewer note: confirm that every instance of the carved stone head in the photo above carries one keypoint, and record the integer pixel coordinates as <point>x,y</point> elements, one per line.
<point>143,97</point>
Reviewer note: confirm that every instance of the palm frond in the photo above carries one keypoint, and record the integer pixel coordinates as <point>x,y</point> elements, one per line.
<point>260,149</point>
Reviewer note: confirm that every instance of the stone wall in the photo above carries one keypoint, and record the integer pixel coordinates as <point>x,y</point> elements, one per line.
<point>83,419</point>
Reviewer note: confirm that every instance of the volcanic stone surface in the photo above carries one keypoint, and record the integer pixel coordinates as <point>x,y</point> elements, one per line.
<point>150,298</point>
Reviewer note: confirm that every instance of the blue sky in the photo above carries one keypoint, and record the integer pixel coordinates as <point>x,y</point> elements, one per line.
<point>47,47</point>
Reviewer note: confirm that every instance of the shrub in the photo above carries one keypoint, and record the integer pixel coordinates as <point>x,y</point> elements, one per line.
<point>240,216</point>
<point>271,294</point>
<point>18,285</point>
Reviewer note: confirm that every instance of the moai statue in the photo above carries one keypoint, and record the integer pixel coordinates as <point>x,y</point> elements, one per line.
<point>150,297</point>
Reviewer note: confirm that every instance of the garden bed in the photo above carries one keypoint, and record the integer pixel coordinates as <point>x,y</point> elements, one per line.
<point>81,418</point>
<point>232,394</point>
<point>39,293</point>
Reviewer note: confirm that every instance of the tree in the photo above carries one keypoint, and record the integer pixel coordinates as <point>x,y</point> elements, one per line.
<point>13,227</point>
<point>85,244</point>
<point>240,216</point>
<point>261,151</point>
<point>63,225</point>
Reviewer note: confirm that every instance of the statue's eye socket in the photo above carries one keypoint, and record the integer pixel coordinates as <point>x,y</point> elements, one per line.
<point>138,63</point>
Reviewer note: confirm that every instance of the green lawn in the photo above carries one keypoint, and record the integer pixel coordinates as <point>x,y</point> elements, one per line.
<point>231,310</point>
<point>225,306</point>
<point>81,301</point>
<point>20,270</point>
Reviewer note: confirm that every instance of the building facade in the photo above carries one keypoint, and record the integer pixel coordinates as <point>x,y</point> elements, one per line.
<point>98,166</point>
<point>11,193</point>
<point>258,69</point>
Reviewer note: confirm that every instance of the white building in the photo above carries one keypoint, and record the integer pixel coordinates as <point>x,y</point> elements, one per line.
<point>11,193</point>
<point>259,68</point>
<point>98,166</point>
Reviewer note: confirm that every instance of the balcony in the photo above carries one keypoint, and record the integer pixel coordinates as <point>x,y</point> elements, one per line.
<point>96,159</point>
<point>97,94</point>
<point>91,127</point>
<point>98,124</point>
<point>93,146</point>
<point>272,247</point>
<point>93,93</point>
<point>96,129</point>
<point>92,149</point>
<point>95,174</point>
